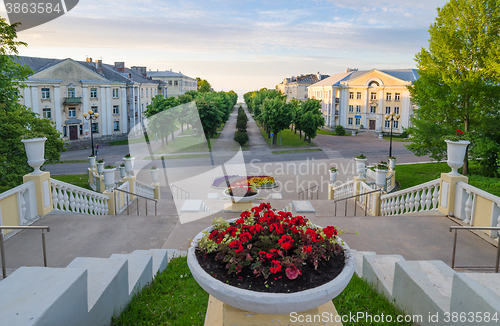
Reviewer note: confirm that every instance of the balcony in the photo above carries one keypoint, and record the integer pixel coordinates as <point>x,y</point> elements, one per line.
<point>72,100</point>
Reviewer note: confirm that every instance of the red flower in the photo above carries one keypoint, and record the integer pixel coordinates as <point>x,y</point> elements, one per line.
<point>213,234</point>
<point>306,248</point>
<point>277,228</point>
<point>330,231</point>
<point>277,266</point>
<point>286,242</point>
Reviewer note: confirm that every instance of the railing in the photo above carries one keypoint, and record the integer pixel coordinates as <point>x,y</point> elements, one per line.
<point>355,199</point>
<point>304,194</point>
<point>26,201</point>
<point>371,174</point>
<point>2,247</point>
<point>344,190</point>
<point>456,228</point>
<point>388,183</point>
<point>145,190</point>
<point>367,200</point>
<point>121,205</point>
<point>183,193</point>
<point>421,198</point>
<point>138,196</point>
<point>468,199</point>
<point>95,185</point>
<point>69,198</point>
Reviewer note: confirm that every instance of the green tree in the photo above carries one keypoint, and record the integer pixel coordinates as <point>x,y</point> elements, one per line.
<point>210,116</point>
<point>311,118</point>
<point>459,75</point>
<point>203,85</point>
<point>162,117</point>
<point>278,115</point>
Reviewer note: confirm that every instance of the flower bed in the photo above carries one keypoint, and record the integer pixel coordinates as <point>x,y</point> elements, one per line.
<point>268,251</point>
<point>259,182</point>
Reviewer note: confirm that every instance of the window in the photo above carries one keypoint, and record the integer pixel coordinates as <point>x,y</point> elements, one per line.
<point>93,93</point>
<point>388,96</point>
<point>116,125</point>
<point>358,108</point>
<point>116,93</point>
<point>373,109</point>
<point>71,92</point>
<point>95,127</point>
<point>351,108</point>
<point>176,83</point>
<point>81,129</point>
<point>47,114</point>
<point>16,92</point>
<point>397,96</point>
<point>373,96</point>
<point>351,95</point>
<point>305,96</point>
<point>116,109</point>
<point>387,110</point>
<point>169,83</point>
<point>396,124</point>
<point>358,95</point>
<point>396,110</point>
<point>387,124</point>
<point>45,93</point>
<point>72,112</point>
<point>95,109</point>
<point>358,121</point>
<point>65,133</point>
<point>349,121</point>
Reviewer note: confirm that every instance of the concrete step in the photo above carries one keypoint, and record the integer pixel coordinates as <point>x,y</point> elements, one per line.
<point>423,288</point>
<point>379,271</point>
<point>108,292</point>
<point>160,258</point>
<point>140,270</point>
<point>358,260</point>
<point>44,296</point>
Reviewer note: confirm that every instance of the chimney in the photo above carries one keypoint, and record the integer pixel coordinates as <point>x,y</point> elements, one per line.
<point>351,69</point>
<point>88,60</point>
<point>120,66</point>
<point>170,69</point>
<point>140,71</point>
<point>98,66</point>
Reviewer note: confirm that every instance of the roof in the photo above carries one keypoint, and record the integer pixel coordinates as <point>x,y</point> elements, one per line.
<point>166,73</point>
<point>306,79</point>
<point>403,74</point>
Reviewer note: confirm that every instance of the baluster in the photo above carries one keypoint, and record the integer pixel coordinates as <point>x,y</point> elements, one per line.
<point>412,202</point>
<point>60,197</point>
<point>392,205</point>
<point>72,201</point>
<point>66,200</point>
<point>383,207</point>
<point>417,201</point>
<point>435,198</point>
<point>78,203</point>
<point>54,196</point>
<point>407,203</point>
<point>396,206</point>
<point>91,205</point>
<point>428,202</point>
<point>498,226</point>
<point>105,207</point>
<point>422,201</point>
<point>468,208</point>
<point>23,207</point>
<point>402,205</point>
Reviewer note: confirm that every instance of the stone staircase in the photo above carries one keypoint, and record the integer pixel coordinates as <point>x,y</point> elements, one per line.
<point>89,291</point>
<point>431,289</point>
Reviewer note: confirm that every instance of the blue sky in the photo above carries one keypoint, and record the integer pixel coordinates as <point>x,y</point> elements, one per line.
<point>241,45</point>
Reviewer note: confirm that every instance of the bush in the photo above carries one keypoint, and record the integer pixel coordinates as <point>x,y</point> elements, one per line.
<point>242,116</point>
<point>241,137</point>
<point>241,125</point>
<point>339,130</point>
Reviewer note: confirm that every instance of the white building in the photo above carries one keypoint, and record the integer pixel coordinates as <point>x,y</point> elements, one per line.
<point>177,83</point>
<point>296,86</point>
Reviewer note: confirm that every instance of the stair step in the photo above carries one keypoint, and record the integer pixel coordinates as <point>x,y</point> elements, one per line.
<point>358,260</point>
<point>44,296</point>
<point>108,292</point>
<point>379,271</point>
<point>160,258</point>
<point>140,270</point>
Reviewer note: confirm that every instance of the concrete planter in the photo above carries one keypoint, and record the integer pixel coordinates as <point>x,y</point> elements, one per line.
<point>123,174</point>
<point>241,199</point>
<point>456,154</point>
<point>100,167</point>
<point>92,161</point>
<point>333,176</point>
<point>353,133</point>
<point>360,166</point>
<point>109,177</point>
<point>35,150</point>
<point>154,175</point>
<point>381,178</point>
<point>269,303</point>
<point>392,164</point>
<point>129,165</point>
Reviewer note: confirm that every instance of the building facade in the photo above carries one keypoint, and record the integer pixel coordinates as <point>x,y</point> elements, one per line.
<point>177,83</point>
<point>296,86</point>
<point>361,99</point>
<point>62,90</point>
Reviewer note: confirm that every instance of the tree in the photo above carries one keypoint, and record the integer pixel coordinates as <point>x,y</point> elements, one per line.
<point>203,85</point>
<point>311,118</point>
<point>162,117</point>
<point>210,116</point>
<point>278,115</point>
<point>459,76</point>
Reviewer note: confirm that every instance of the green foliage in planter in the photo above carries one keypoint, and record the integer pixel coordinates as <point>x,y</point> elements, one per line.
<point>109,167</point>
<point>100,161</point>
<point>241,137</point>
<point>361,157</point>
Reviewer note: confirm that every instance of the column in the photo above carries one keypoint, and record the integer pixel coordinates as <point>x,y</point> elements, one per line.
<point>364,111</point>
<point>103,113</point>
<point>124,111</point>
<point>57,107</point>
<point>27,97</point>
<point>404,121</point>
<point>34,100</point>
<point>447,192</point>
<point>380,120</point>
<point>109,111</point>
<point>343,105</point>
<point>43,193</point>
<point>85,101</point>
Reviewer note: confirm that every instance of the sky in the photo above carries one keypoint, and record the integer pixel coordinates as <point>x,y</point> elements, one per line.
<point>239,45</point>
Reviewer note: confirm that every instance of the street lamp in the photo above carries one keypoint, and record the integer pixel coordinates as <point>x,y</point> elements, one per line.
<point>91,116</point>
<point>391,117</point>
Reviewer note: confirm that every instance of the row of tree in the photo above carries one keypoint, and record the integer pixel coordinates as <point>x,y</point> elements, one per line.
<point>270,108</point>
<point>241,135</point>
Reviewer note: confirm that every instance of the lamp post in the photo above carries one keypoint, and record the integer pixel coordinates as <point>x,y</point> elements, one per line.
<point>391,117</point>
<point>91,116</point>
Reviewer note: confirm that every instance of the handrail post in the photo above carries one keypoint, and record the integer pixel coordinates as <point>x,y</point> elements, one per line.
<point>498,258</point>
<point>355,205</point>
<point>345,213</point>
<point>156,206</point>
<point>454,250</point>
<point>335,214</point>
<point>146,203</point>
<point>44,249</point>
<point>366,203</point>
<point>2,250</point>
<point>128,213</point>
<point>138,205</point>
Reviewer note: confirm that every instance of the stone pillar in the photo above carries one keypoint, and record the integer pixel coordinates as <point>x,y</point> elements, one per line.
<point>131,185</point>
<point>157,190</point>
<point>43,192</point>
<point>447,192</point>
<point>356,190</point>
<point>109,111</point>
<point>27,97</point>
<point>103,115</point>
<point>111,201</point>
<point>57,108</point>
<point>376,203</point>
<point>85,101</point>
<point>331,192</point>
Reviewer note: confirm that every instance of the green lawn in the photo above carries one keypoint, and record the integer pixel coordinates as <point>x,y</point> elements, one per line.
<point>397,138</point>
<point>324,132</point>
<point>80,180</point>
<point>298,151</point>
<point>175,157</point>
<point>181,145</point>
<point>175,298</point>
<point>288,139</point>
<point>414,174</point>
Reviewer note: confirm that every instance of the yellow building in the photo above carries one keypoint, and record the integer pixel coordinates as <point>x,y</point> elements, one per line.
<point>360,99</point>
<point>296,86</point>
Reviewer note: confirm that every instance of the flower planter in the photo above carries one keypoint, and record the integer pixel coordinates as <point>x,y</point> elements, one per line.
<point>123,174</point>
<point>92,162</point>
<point>154,175</point>
<point>456,154</point>
<point>333,176</point>
<point>360,166</point>
<point>269,303</point>
<point>353,133</point>
<point>100,167</point>
<point>129,165</point>
<point>241,199</point>
<point>381,178</point>
<point>109,177</point>
<point>35,150</point>
<point>392,164</point>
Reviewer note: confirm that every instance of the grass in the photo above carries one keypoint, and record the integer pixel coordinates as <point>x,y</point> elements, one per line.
<point>181,145</point>
<point>324,132</point>
<point>72,161</point>
<point>397,138</point>
<point>79,180</point>
<point>298,151</point>
<point>414,174</point>
<point>175,298</point>
<point>288,139</point>
<point>175,157</point>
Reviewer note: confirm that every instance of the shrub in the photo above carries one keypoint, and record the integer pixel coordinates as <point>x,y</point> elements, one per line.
<point>241,137</point>
<point>339,130</point>
<point>241,125</point>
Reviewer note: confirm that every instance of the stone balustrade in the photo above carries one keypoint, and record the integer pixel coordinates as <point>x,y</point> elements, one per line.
<point>420,198</point>
<point>69,198</point>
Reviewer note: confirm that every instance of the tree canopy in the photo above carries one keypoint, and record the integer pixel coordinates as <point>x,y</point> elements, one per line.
<point>203,85</point>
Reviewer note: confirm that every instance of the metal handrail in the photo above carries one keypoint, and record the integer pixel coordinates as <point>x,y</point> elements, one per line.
<point>187,194</point>
<point>139,196</point>
<point>355,206</point>
<point>303,191</point>
<point>456,228</point>
<point>2,248</point>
